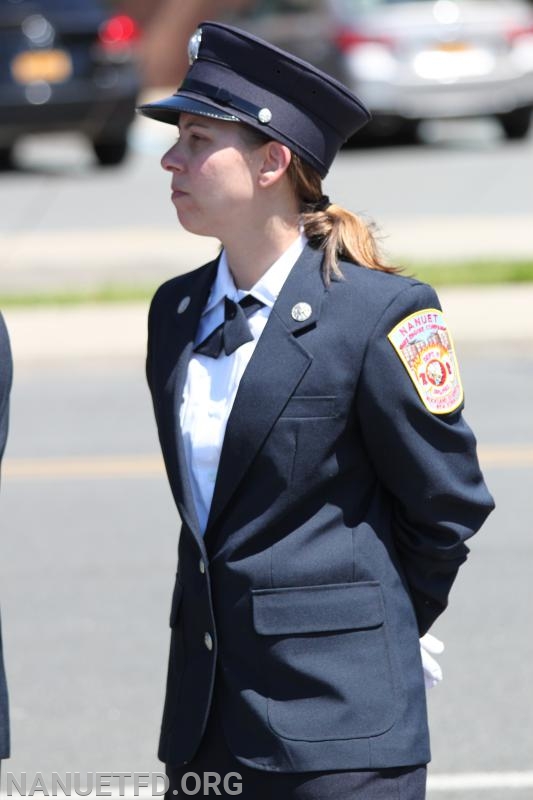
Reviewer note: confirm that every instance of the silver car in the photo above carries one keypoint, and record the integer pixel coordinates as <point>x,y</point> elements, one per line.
<point>417,60</point>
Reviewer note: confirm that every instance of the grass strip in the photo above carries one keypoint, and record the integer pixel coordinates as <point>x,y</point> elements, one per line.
<point>471,273</point>
<point>73,297</point>
<point>460,273</point>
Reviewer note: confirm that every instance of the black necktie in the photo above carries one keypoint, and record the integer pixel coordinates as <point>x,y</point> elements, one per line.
<point>235,329</point>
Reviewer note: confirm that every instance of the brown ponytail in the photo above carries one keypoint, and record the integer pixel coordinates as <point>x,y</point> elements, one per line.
<point>333,229</point>
<point>329,227</point>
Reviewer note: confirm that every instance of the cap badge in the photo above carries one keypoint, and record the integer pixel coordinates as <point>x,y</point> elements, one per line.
<point>194,45</point>
<point>301,311</point>
<point>183,304</point>
<point>264,116</point>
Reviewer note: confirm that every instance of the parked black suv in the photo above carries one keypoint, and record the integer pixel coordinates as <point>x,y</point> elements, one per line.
<point>67,65</point>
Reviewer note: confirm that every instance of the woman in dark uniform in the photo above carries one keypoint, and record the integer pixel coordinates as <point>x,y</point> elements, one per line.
<point>308,403</point>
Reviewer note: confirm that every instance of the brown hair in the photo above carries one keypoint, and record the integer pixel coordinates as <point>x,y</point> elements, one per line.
<point>335,230</point>
<point>340,233</point>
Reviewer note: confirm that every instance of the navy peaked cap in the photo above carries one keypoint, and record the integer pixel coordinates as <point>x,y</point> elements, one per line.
<point>237,77</point>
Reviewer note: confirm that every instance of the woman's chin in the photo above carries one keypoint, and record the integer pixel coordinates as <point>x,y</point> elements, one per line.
<point>192,225</point>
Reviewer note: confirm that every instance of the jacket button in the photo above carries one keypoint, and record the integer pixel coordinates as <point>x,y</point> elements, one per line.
<point>208,641</point>
<point>201,566</point>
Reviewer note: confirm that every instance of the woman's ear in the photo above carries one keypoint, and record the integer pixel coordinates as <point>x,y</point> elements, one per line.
<point>276,160</point>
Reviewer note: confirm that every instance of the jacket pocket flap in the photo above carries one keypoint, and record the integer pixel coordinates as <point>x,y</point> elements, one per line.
<point>176,603</point>
<point>308,609</point>
<point>304,406</point>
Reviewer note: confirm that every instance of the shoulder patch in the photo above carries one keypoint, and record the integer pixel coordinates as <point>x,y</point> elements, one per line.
<point>425,347</point>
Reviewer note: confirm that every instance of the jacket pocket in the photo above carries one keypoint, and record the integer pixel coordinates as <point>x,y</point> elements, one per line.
<point>326,654</point>
<point>306,406</point>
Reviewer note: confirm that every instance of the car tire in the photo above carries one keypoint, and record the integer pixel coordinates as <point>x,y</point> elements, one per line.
<point>516,124</point>
<point>385,131</point>
<point>110,153</point>
<point>408,133</point>
<point>6,157</point>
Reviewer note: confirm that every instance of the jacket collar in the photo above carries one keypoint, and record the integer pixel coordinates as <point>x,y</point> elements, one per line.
<point>266,289</point>
<point>185,310</point>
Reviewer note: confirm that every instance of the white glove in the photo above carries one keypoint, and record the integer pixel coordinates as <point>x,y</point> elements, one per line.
<point>431,646</point>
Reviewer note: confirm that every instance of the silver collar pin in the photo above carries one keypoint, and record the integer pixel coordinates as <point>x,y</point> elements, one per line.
<point>301,311</point>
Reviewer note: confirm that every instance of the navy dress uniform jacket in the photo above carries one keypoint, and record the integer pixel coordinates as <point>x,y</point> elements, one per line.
<point>6,372</point>
<point>338,522</point>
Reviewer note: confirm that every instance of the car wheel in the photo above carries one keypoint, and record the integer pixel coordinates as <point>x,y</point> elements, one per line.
<point>516,124</point>
<point>6,157</point>
<point>384,131</point>
<point>111,153</point>
<point>408,132</point>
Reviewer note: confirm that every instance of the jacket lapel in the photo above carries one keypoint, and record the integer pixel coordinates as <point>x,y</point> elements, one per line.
<point>276,368</point>
<point>178,349</point>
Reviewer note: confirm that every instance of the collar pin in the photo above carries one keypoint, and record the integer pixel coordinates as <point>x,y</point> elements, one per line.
<point>301,311</point>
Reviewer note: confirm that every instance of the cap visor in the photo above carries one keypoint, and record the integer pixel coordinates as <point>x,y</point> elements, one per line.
<point>169,109</point>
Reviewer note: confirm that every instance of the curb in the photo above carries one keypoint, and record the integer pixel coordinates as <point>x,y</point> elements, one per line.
<point>482,317</point>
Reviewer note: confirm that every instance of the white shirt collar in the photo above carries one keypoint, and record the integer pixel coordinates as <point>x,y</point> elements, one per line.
<point>267,287</point>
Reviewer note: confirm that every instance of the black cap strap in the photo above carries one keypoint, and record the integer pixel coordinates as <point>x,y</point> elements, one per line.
<point>224,97</point>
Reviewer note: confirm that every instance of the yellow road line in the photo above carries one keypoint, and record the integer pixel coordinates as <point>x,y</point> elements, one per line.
<point>506,456</point>
<point>145,466</point>
<point>84,467</point>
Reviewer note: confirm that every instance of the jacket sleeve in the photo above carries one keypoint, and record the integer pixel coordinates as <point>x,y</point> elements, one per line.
<point>426,462</point>
<point>6,374</point>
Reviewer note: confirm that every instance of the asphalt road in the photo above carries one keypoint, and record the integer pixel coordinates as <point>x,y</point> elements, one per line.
<point>464,193</point>
<point>89,537</point>
<point>89,530</point>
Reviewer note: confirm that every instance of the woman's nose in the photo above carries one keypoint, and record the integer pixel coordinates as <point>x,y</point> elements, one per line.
<point>171,160</point>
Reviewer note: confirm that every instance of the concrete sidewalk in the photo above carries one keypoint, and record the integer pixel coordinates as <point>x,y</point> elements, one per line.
<point>70,260</point>
<point>484,317</point>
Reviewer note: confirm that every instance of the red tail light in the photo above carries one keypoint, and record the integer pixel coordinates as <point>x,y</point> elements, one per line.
<point>516,33</point>
<point>118,32</point>
<point>349,39</point>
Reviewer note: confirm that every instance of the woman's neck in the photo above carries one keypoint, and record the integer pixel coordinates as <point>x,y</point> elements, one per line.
<point>249,260</point>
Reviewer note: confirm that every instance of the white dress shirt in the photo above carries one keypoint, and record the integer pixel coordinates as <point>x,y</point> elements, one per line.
<point>212,383</point>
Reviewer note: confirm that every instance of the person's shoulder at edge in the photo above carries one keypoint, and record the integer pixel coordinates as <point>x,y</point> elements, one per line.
<point>6,363</point>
